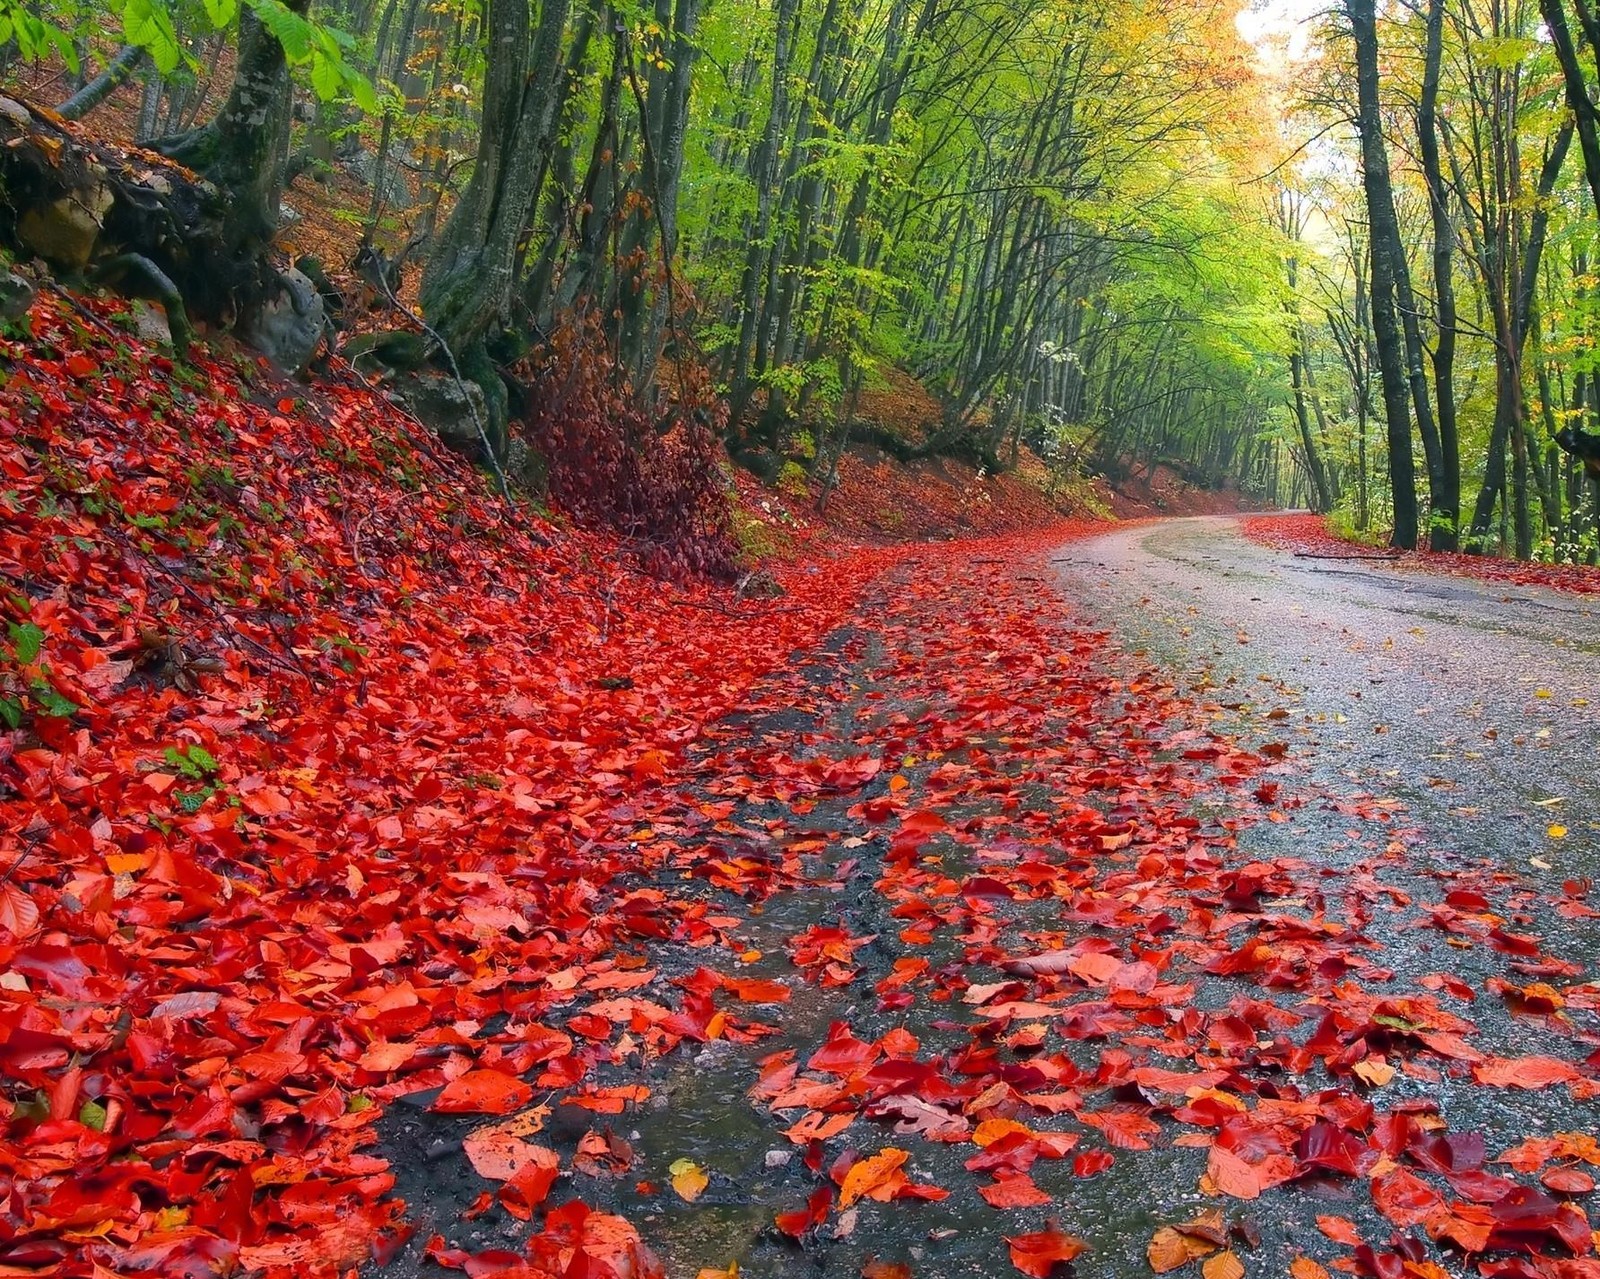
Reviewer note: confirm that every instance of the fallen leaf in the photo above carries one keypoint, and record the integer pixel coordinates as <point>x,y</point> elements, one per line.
<point>1224,1265</point>
<point>873,1178</point>
<point>689,1179</point>
<point>1037,1254</point>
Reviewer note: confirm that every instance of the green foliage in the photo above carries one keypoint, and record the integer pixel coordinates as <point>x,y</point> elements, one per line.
<point>196,764</point>
<point>193,762</point>
<point>793,481</point>
<point>29,688</point>
<point>323,50</point>
<point>326,53</point>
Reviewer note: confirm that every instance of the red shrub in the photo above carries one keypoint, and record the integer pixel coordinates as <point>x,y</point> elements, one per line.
<point>650,472</point>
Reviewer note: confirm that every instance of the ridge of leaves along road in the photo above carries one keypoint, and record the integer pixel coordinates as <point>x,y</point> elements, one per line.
<point>307,744</point>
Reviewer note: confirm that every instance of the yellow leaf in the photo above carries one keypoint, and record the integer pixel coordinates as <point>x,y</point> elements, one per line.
<point>1557,831</point>
<point>689,1179</point>
<point>1374,1070</point>
<point>1172,1249</point>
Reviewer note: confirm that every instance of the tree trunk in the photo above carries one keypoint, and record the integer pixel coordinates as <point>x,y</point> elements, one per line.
<point>467,282</point>
<point>1444,526</point>
<point>239,148</point>
<point>96,91</point>
<point>1385,238</point>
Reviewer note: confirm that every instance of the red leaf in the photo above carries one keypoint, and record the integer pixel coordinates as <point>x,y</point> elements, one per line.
<point>1405,1198</point>
<point>1568,1181</point>
<point>483,1092</point>
<point>1013,1190</point>
<point>19,915</point>
<point>1525,1072</point>
<point>1037,1254</point>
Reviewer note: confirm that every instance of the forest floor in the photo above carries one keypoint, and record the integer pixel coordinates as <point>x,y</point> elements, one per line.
<point>395,879</point>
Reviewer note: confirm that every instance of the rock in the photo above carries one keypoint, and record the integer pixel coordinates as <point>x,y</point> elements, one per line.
<point>387,353</point>
<point>16,296</point>
<point>527,469</point>
<point>763,463</point>
<point>453,410</point>
<point>150,324</point>
<point>64,232</point>
<point>287,328</point>
<point>396,194</point>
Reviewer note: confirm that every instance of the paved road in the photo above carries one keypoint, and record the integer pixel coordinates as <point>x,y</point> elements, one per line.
<point>1475,702</point>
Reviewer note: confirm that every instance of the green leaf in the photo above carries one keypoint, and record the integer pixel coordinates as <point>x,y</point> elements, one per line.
<point>290,30</point>
<point>53,703</point>
<point>92,1115</point>
<point>325,77</point>
<point>148,25</point>
<point>11,712</point>
<point>26,642</point>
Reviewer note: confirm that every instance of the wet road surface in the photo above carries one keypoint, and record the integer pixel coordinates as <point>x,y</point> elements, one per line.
<point>1475,702</point>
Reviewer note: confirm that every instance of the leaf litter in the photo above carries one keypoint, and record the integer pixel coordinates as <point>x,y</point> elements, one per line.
<point>328,797</point>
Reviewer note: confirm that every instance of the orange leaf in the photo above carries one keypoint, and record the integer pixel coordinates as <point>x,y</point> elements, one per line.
<point>1169,1249</point>
<point>1015,1191</point>
<point>817,1126</point>
<point>1340,1230</point>
<point>873,1178</point>
<point>1231,1175</point>
<point>495,1154</point>
<point>1305,1268</point>
<point>1525,1072</point>
<point>1225,1265</point>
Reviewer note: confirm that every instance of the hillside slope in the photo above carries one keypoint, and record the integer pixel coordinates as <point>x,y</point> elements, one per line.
<point>291,703</point>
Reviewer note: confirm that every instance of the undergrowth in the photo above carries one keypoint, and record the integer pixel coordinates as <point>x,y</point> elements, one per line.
<point>650,473</point>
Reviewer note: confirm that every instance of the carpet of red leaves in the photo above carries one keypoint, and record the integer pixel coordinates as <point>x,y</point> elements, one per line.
<point>878,497</point>
<point>1309,535</point>
<point>309,741</point>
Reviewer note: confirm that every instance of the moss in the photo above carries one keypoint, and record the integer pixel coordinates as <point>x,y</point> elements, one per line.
<point>757,540</point>
<point>793,481</point>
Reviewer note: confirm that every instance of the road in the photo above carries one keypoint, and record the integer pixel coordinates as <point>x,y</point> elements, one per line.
<point>1432,739</point>
<point>1474,702</point>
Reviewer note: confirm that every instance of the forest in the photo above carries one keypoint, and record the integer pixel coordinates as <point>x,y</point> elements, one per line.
<point>676,639</point>
<point>1353,277</point>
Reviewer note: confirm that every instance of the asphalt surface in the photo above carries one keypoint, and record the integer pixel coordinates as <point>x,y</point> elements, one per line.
<point>1474,702</point>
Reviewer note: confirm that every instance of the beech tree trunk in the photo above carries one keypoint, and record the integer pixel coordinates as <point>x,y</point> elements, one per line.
<point>1444,526</point>
<point>467,283</point>
<point>240,149</point>
<point>1381,216</point>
